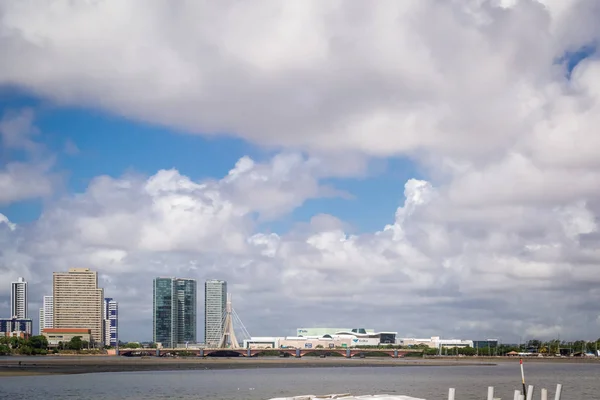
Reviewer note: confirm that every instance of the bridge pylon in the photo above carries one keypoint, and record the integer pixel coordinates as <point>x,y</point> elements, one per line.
<point>228,339</point>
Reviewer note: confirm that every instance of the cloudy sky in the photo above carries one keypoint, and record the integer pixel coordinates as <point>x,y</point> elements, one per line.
<point>422,166</point>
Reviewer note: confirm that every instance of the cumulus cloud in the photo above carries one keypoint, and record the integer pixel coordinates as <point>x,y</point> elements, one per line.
<point>459,77</point>
<point>500,238</point>
<point>30,177</point>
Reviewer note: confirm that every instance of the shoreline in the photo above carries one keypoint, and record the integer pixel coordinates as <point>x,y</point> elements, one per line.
<point>34,366</point>
<point>66,365</point>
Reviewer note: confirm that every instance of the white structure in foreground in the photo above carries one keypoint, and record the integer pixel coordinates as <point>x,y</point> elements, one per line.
<point>518,395</point>
<point>347,396</point>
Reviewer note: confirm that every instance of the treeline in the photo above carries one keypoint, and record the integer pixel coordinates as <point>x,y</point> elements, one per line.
<point>16,345</point>
<point>552,347</point>
<point>556,346</point>
<point>38,345</point>
<point>135,345</point>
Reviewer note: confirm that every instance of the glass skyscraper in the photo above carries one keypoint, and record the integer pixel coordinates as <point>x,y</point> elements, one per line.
<point>215,301</point>
<point>174,311</point>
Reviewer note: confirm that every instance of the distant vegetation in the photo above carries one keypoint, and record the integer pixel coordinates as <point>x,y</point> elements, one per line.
<point>535,346</point>
<point>38,345</point>
<point>16,345</point>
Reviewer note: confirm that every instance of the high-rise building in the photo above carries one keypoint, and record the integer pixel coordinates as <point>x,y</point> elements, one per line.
<point>78,302</point>
<point>41,324</point>
<point>174,311</point>
<point>215,302</point>
<point>18,299</point>
<point>20,327</point>
<point>46,314</point>
<point>111,322</point>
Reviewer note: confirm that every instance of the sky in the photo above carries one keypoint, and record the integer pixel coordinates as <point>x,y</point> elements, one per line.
<point>429,167</point>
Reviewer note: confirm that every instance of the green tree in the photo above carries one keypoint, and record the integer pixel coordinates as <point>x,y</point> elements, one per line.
<point>579,346</point>
<point>38,342</point>
<point>467,351</point>
<point>75,343</point>
<point>16,342</point>
<point>4,350</point>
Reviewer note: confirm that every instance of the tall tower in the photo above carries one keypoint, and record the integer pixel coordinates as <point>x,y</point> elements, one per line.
<point>78,302</point>
<point>228,339</point>
<point>18,299</point>
<point>215,304</point>
<point>174,311</point>
<point>47,314</point>
<point>111,322</point>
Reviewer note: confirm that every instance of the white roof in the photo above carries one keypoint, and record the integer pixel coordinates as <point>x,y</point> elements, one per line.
<point>347,396</point>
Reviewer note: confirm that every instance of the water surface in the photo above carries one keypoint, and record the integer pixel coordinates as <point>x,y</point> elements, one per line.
<point>580,382</point>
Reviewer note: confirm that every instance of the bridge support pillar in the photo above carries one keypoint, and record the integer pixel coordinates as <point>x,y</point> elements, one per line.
<point>298,353</point>
<point>248,353</point>
<point>157,352</point>
<point>348,353</point>
<point>396,353</point>
<point>201,354</point>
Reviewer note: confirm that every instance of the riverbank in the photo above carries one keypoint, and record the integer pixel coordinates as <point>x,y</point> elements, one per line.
<point>86,364</point>
<point>48,365</point>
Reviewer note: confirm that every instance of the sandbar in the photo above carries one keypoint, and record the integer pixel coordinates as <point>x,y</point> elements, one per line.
<point>87,364</point>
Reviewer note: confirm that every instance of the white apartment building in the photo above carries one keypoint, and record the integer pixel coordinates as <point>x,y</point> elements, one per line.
<point>18,299</point>
<point>47,314</point>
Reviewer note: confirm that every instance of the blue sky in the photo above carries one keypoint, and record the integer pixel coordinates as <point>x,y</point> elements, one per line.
<point>89,143</point>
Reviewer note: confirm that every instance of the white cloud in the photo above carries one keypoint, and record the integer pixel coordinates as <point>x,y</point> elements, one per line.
<point>460,78</point>
<point>31,177</point>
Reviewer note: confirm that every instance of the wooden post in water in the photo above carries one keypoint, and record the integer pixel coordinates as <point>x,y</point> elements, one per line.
<point>451,393</point>
<point>558,392</point>
<point>530,392</point>
<point>544,394</point>
<point>517,395</point>
<point>490,393</point>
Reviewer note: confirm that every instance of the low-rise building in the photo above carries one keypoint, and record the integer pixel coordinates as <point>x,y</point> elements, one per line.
<point>436,342</point>
<point>264,342</point>
<point>347,338</point>
<point>324,342</point>
<point>19,334</point>
<point>329,331</point>
<point>57,335</point>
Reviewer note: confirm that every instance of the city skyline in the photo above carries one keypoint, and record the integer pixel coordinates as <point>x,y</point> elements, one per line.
<point>287,332</point>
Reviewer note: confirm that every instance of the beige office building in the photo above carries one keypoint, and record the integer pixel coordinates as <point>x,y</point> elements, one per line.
<point>78,302</point>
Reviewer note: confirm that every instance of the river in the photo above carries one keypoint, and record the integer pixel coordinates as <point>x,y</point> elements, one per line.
<point>580,382</point>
